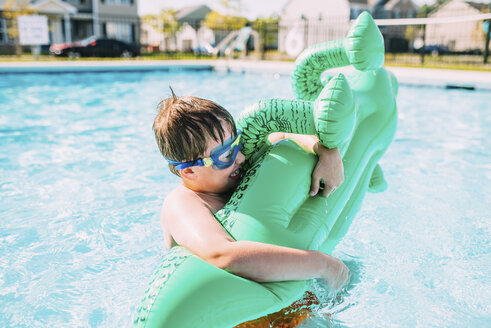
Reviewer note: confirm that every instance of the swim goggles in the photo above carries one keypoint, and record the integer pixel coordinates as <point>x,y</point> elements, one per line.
<point>221,157</point>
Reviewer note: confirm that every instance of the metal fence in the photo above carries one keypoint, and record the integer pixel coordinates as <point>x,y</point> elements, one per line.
<point>431,42</point>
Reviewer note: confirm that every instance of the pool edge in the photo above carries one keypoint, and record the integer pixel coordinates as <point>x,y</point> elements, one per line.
<point>421,77</point>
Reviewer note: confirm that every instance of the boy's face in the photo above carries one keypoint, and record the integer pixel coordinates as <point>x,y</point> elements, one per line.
<point>212,180</point>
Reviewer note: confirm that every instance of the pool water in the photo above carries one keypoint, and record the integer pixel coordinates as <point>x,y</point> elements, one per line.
<point>82,181</point>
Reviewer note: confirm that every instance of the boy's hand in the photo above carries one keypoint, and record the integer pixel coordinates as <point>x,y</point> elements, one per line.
<point>336,274</point>
<point>329,170</point>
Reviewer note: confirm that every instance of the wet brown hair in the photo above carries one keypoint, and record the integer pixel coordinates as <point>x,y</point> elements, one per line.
<point>184,125</point>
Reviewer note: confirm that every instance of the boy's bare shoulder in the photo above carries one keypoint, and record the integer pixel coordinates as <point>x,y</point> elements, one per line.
<point>179,200</point>
<point>178,211</point>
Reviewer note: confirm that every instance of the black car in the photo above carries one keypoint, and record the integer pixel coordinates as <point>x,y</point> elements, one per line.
<point>434,49</point>
<point>95,47</point>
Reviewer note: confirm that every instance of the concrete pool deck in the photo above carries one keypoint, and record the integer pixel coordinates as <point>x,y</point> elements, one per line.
<point>478,80</point>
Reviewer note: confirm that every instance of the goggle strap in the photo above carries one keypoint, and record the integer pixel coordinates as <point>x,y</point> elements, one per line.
<point>207,161</point>
<point>184,165</point>
<point>237,141</point>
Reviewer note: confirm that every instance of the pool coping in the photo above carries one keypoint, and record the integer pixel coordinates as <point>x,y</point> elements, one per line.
<point>103,66</point>
<point>450,79</point>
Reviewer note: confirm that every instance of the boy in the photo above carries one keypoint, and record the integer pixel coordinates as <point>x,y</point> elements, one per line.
<point>201,143</point>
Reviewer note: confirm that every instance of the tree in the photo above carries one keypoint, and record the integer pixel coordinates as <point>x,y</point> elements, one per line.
<point>169,20</point>
<point>165,21</point>
<point>274,19</point>
<point>11,11</point>
<point>216,21</point>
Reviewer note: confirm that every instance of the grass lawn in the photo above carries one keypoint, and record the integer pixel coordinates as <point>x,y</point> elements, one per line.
<point>458,62</point>
<point>156,56</point>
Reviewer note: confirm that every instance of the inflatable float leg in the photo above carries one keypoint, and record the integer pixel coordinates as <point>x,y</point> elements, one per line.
<point>377,181</point>
<point>363,48</point>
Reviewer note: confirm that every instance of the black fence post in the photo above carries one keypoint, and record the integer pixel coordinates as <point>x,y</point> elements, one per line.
<point>424,44</point>
<point>486,44</point>
<point>262,41</point>
<point>426,12</point>
<point>305,31</point>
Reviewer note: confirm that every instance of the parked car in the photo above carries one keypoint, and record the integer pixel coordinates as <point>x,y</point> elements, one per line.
<point>95,47</point>
<point>434,49</point>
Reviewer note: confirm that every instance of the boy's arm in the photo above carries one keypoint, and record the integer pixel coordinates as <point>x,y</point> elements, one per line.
<point>329,169</point>
<point>193,226</point>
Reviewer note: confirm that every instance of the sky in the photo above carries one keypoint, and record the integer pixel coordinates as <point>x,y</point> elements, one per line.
<point>252,8</point>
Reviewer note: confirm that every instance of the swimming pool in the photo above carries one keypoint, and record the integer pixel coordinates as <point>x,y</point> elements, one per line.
<point>82,183</point>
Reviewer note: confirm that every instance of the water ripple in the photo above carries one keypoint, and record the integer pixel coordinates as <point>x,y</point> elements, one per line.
<point>82,183</point>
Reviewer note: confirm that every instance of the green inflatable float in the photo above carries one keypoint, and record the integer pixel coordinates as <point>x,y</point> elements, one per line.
<point>272,203</point>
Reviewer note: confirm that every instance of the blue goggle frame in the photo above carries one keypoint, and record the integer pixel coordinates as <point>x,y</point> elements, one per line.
<point>214,159</point>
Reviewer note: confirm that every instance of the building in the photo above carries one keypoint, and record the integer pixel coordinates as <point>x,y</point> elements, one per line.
<point>462,36</point>
<point>73,20</point>
<point>395,37</point>
<point>401,9</point>
<point>387,9</point>
<point>193,16</point>
<point>190,35</point>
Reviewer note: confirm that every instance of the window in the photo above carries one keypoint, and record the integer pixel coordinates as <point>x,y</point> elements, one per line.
<point>120,31</point>
<point>4,38</point>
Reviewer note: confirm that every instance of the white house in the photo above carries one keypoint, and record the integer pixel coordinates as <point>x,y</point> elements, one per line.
<point>193,15</point>
<point>59,21</point>
<point>190,35</point>
<point>59,15</point>
<point>151,35</point>
<point>462,36</point>
<point>186,38</point>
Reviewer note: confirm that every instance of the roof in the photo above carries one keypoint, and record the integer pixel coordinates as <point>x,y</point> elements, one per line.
<point>53,7</point>
<point>481,6</point>
<point>360,2</point>
<point>37,4</point>
<point>189,12</point>
<point>391,4</point>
